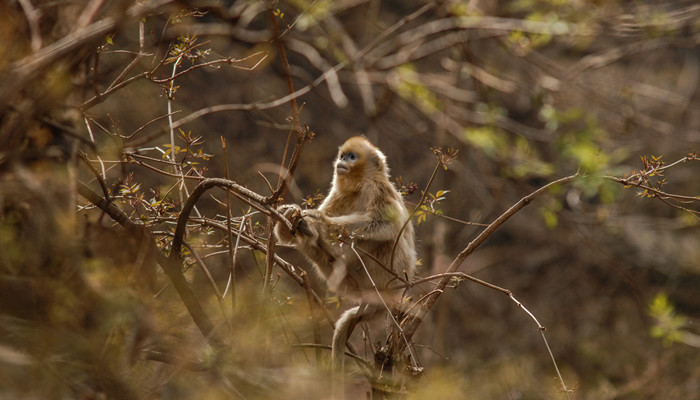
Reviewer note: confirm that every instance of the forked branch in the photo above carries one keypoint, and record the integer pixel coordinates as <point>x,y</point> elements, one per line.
<point>170,267</point>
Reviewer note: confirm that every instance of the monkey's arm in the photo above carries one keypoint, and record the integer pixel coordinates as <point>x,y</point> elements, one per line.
<point>381,226</point>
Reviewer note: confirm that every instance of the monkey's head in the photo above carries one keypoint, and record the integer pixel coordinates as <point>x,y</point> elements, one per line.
<point>358,160</point>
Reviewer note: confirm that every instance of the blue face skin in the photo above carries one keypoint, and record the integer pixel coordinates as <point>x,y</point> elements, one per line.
<point>349,156</point>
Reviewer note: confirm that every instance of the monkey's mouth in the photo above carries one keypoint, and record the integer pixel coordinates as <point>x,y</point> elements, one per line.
<point>341,168</point>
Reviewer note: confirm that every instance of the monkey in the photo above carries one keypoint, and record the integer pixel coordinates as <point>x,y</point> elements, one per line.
<point>365,210</point>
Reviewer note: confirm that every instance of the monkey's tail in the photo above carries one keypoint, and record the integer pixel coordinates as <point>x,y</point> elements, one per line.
<point>343,328</point>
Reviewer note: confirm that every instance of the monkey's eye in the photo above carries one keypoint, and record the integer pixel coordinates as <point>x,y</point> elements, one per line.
<point>349,156</point>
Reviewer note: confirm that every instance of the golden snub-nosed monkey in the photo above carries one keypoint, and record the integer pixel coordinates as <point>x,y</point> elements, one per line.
<point>366,212</point>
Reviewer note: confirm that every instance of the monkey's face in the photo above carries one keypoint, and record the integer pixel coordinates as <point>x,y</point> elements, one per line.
<point>358,157</point>
<point>346,162</point>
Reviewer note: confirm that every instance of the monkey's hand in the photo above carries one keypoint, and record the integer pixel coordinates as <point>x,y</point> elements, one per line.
<point>293,213</point>
<point>310,222</point>
<point>310,237</point>
<point>305,222</point>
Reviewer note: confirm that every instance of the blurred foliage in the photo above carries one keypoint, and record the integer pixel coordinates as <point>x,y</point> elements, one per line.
<point>667,325</point>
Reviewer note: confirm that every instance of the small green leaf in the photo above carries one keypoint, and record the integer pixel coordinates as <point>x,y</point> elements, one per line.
<point>668,325</point>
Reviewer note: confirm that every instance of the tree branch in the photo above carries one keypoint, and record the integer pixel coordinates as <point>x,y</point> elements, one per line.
<point>172,268</point>
<point>411,327</point>
<point>204,186</point>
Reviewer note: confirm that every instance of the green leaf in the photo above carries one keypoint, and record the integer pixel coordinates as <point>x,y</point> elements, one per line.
<point>668,325</point>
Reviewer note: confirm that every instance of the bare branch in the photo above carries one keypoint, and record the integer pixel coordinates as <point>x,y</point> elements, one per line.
<point>210,183</point>
<point>33,21</point>
<point>430,302</point>
<point>26,69</point>
<point>229,60</point>
<point>171,268</point>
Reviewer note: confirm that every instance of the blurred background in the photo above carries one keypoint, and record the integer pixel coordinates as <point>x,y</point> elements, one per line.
<point>527,91</point>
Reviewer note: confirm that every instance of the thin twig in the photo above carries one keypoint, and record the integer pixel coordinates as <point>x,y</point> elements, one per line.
<point>287,69</point>
<point>237,189</point>
<point>410,216</point>
<point>657,192</point>
<point>228,60</point>
<point>231,251</point>
<point>314,315</point>
<point>282,189</point>
<point>133,62</point>
<point>510,295</point>
<point>327,347</point>
<point>160,171</point>
<point>99,177</point>
<point>33,21</point>
<point>156,119</point>
<point>413,325</point>
<point>286,266</point>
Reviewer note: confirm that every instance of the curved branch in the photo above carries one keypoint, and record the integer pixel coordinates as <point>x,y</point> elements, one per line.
<point>202,188</point>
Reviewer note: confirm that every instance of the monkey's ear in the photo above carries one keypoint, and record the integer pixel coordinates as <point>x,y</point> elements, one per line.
<point>376,160</point>
<point>379,160</point>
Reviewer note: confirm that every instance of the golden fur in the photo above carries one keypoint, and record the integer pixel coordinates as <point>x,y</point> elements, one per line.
<point>365,209</point>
